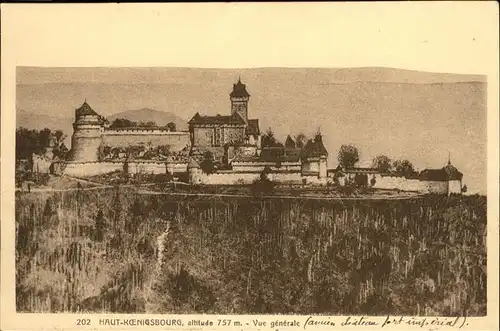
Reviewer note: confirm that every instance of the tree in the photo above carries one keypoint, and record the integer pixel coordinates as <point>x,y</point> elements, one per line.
<point>164,149</point>
<point>464,189</point>
<point>34,141</point>
<point>27,143</point>
<point>348,156</point>
<point>207,165</point>
<point>122,123</point>
<point>100,226</point>
<point>44,138</point>
<point>382,163</point>
<point>268,139</point>
<point>263,184</point>
<point>61,151</point>
<point>264,175</point>
<point>300,140</point>
<point>172,126</point>
<point>59,136</point>
<point>403,167</point>
<point>147,124</point>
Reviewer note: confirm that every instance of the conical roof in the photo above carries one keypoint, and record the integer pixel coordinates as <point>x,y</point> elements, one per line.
<point>239,90</point>
<point>314,148</point>
<point>452,172</point>
<point>85,109</point>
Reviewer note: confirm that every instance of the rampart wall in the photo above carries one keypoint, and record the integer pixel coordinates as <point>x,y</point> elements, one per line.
<point>124,138</point>
<point>87,169</point>
<point>405,184</point>
<point>232,177</point>
<point>259,166</point>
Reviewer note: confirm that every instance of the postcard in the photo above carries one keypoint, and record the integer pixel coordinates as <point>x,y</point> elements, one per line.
<point>247,166</point>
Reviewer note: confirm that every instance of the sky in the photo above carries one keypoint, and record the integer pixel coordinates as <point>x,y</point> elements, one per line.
<point>438,36</point>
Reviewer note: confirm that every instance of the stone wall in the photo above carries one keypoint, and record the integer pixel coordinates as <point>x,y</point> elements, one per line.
<point>203,136</point>
<point>455,186</point>
<point>310,166</point>
<point>233,134</point>
<point>87,169</point>
<point>156,137</point>
<point>259,166</point>
<point>286,177</point>
<point>404,184</point>
<point>234,178</point>
<point>227,178</point>
<point>440,187</point>
<point>154,167</point>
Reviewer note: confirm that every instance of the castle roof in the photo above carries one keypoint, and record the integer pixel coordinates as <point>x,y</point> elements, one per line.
<point>452,172</point>
<point>289,143</point>
<point>270,154</point>
<point>433,175</point>
<point>314,148</point>
<point>253,127</point>
<point>239,90</point>
<point>234,119</point>
<point>85,109</point>
<point>444,174</point>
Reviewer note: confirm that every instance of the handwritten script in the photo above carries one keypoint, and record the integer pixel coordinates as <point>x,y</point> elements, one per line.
<point>429,323</point>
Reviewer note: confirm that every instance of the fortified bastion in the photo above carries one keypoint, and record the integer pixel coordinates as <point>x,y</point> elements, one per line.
<point>92,131</point>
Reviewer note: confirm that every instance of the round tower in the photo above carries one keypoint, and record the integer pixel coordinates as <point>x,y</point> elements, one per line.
<point>87,134</point>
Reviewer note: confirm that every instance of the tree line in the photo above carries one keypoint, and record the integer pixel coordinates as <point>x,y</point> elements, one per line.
<point>348,156</point>
<point>126,123</point>
<point>31,141</point>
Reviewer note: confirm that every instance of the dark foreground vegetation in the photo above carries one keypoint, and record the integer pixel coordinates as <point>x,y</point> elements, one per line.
<point>114,250</point>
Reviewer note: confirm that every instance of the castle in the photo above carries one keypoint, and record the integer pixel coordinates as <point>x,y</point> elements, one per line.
<point>234,143</point>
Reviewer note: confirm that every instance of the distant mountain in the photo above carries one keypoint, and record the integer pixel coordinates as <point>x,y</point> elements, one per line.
<point>40,121</point>
<point>147,114</point>
<point>34,75</point>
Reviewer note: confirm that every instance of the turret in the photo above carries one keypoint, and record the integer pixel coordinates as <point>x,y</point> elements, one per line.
<point>87,134</point>
<point>314,157</point>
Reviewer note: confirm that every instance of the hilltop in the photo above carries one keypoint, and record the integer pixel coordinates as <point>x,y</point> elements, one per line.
<point>124,252</point>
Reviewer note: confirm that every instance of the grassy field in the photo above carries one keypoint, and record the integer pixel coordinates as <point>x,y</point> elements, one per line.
<point>115,250</point>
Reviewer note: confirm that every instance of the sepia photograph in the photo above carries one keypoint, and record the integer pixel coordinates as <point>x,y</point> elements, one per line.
<point>274,190</point>
<point>347,188</point>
